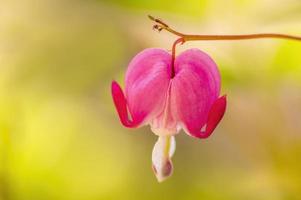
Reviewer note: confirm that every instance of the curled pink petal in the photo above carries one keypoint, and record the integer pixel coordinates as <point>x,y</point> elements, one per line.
<point>121,107</point>
<point>216,113</point>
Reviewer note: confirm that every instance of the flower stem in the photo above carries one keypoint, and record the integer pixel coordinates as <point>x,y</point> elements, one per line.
<point>160,25</point>
<point>173,55</point>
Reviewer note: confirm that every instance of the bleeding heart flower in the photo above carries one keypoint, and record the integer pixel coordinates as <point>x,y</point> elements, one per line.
<point>170,97</point>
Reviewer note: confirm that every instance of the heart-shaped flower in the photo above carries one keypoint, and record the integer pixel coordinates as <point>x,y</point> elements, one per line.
<point>169,96</point>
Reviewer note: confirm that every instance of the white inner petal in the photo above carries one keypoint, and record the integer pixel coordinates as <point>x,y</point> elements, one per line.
<point>161,156</point>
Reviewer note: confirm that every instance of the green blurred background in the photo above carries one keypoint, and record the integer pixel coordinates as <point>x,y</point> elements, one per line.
<point>60,136</point>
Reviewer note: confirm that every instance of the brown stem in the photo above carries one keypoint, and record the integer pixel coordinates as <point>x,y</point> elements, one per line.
<point>173,55</point>
<point>160,25</point>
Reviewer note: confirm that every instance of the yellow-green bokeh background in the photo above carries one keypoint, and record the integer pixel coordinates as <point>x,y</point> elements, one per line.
<point>60,137</point>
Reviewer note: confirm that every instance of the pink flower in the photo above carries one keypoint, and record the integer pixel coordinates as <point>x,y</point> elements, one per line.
<point>189,99</point>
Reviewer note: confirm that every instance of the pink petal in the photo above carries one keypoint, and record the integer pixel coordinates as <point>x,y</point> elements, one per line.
<point>121,106</point>
<point>147,82</point>
<point>195,88</point>
<point>165,123</point>
<point>202,64</point>
<point>216,113</point>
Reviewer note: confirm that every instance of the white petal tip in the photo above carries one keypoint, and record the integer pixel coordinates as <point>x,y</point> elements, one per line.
<point>165,172</point>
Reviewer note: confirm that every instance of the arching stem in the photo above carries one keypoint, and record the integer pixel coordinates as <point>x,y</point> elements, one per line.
<point>180,40</point>
<point>160,25</point>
